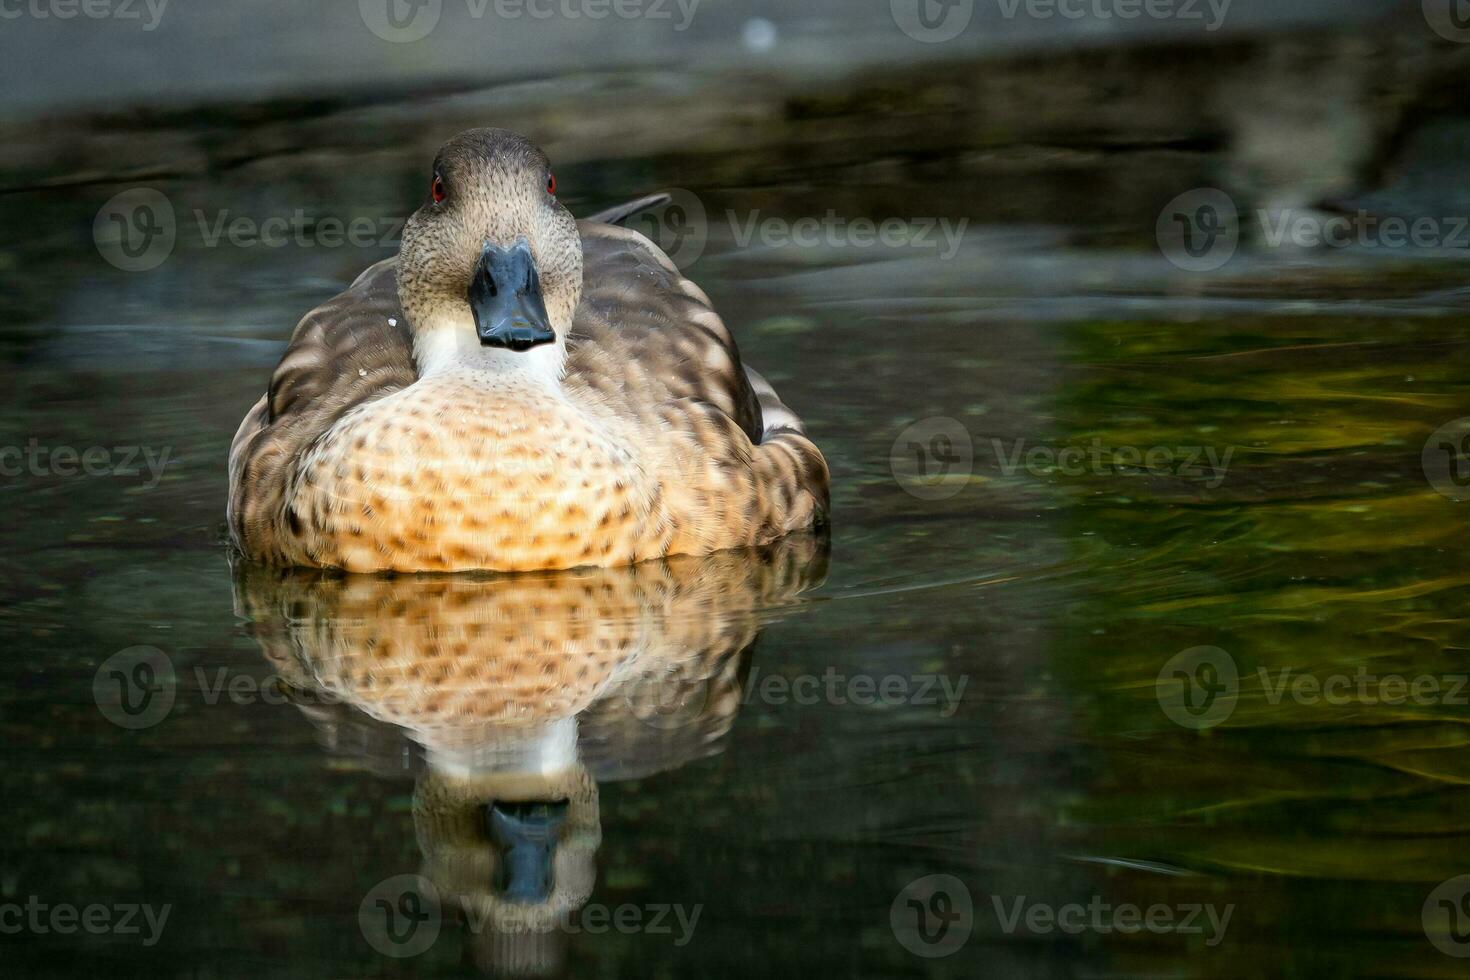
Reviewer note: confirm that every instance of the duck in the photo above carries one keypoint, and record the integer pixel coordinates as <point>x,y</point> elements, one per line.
<point>516,390</point>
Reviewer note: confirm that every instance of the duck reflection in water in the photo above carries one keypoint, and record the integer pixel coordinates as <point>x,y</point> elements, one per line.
<point>512,696</point>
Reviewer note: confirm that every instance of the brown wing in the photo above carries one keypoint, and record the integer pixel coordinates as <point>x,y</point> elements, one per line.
<point>351,349</point>
<point>645,332</point>
<point>737,466</point>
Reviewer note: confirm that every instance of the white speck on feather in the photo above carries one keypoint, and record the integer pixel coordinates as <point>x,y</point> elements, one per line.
<point>362,372</point>
<point>392,321</point>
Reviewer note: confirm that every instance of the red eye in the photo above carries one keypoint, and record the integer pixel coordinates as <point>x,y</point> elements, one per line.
<point>437,191</point>
<point>551,184</point>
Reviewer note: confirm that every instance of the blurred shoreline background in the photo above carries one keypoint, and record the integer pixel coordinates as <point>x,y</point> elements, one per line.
<point>1287,104</point>
<point>152,53</point>
<point>1014,116</point>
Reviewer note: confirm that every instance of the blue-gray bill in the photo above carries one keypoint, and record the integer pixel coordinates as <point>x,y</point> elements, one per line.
<point>505,297</point>
<point>525,834</point>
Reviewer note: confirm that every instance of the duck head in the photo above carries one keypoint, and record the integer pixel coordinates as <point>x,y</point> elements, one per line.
<point>490,269</point>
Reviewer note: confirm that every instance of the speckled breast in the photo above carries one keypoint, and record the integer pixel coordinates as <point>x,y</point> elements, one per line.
<point>457,473</point>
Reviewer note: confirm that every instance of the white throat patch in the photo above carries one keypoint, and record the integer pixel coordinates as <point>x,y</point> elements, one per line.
<point>450,344</point>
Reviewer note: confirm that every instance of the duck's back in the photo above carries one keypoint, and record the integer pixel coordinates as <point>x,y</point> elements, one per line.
<point>647,336</point>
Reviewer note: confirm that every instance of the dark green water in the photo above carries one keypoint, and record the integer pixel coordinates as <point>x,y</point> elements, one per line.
<point>1027,747</point>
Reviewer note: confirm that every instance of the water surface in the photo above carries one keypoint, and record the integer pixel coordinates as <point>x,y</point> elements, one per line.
<point>968,684</point>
